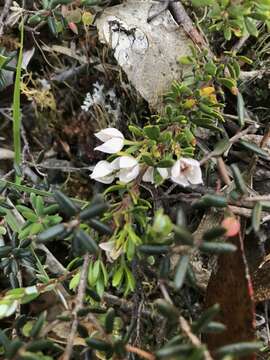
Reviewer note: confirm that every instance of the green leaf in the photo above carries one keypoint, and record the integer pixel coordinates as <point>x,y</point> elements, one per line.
<point>93,211</point>
<point>238,179</point>
<point>51,233</point>
<point>39,205</point>
<point>229,83</point>
<point>13,348</point>
<point>180,272</point>
<point>205,318</point>
<point>105,273</point>
<point>251,26</point>
<point>100,227</point>
<point>152,132</point>
<point>74,282</point>
<point>86,242</point>
<point>130,279</point>
<point>100,287</point>
<point>5,250</point>
<point>256,217</point>
<point>255,149</point>
<point>198,3</point>
<point>109,321</point>
<point>213,327</point>
<point>185,60</point>
<point>167,310</point>
<point>154,249</point>
<point>39,345</point>
<point>98,344</point>
<point>239,349</point>
<point>96,270</point>
<point>217,247</point>
<point>210,68</point>
<point>166,163</point>
<point>221,147</point>
<point>147,158</point>
<point>209,200</point>
<point>214,233</point>
<point>175,351</point>
<point>118,276</point>
<point>135,130</point>
<point>38,325</point>
<point>183,235</point>
<point>52,26</point>
<point>245,59</point>
<point>66,205</point>
<point>240,109</point>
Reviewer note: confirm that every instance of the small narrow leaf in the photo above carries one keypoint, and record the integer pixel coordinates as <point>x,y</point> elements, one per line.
<point>217,247</point>
<point>181,270</point>
<point>51,233</point>
<point>98,344</point>
<point>66,205</point>
<point>255,149</point>
<point>92,211</point>
<point>239,349</point>
<point>238,179</point>
<point>240,109</point>
<point>256,217</point>
<point>109,321</point>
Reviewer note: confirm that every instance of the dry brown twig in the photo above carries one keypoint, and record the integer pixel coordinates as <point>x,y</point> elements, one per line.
<point>4,15</point>
<point>78,306</point>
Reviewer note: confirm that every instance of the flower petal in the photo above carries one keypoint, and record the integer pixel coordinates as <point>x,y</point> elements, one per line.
<point>106,179</point>
<point>194,175</point>
<point>107,246</point>
<point>109,133</point>
<point>164,173</point>
<point>148,176</point>
<point>127,175</point>
<point>111,146</point>
<point>177,176</point>
<point>180,179</point>
<point>116,163</point>
<point>102,168</point>
<point>127,162</point>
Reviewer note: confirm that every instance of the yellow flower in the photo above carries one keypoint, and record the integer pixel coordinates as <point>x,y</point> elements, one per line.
<point>189,103</point>
<point>209,92</point>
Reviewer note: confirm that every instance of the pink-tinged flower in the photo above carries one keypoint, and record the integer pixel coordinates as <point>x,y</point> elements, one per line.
<point>113,140</point>
<point>129,168</point>
<point>111,252</point>
<point>148,176</point>
<point>186,172</point>
<point>103,172</point>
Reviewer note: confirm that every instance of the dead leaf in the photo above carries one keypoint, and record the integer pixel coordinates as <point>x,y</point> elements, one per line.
<point>231,287</point>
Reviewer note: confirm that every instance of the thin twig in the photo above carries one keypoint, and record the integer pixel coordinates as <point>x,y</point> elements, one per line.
<point>78,306</point>
<point>192,337</point>
<point>142,353</point>
<point>3,15</point>
<point>231,141</point>
<point>182,18</point>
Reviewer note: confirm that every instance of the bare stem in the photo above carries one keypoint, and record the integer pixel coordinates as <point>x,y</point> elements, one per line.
<point>78,306</point>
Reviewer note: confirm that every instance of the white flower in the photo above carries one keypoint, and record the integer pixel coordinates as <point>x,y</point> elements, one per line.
<point>111,252</point>
<point>103,172</point>
<point>149,174</point>
<point>128,167</point>
<point>113,140</point>
<point>186,171</point>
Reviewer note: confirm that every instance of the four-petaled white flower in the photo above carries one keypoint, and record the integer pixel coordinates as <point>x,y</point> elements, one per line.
<point>129,168</point>
<point>186,172</point>
<point>113,140</point>
<point>149,174</point>
<point>103,172</point>
<point>111,252</point>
